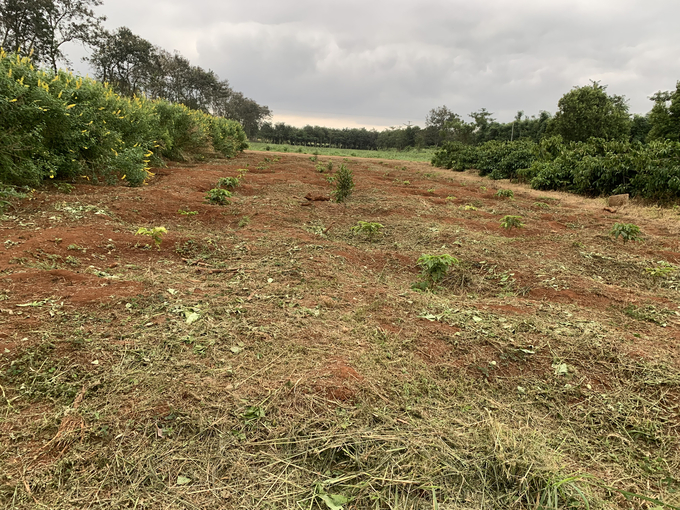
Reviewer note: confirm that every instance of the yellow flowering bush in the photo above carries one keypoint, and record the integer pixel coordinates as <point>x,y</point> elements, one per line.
<point>65,126</point>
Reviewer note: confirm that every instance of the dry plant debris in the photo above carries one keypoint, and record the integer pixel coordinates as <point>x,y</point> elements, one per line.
<point>281,363</point>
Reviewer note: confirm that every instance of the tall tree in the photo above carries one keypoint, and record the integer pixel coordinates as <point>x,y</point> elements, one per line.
<point>42,27</point>
<point>435,124</point>
<point>588,111</point>
<point>664,119</point>
<point>126,61</point>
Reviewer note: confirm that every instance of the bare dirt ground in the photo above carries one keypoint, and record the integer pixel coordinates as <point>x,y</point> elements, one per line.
<point>267,356</point>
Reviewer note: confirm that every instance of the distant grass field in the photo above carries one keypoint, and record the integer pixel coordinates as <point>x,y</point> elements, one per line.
<point>422,155</point>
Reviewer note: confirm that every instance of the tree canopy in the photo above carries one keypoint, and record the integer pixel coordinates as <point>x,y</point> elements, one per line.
<point>664,119</point>
<point>589,112</point>
<point>41,27</point>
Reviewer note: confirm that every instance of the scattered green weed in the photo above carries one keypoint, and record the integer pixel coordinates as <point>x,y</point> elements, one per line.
<point>509,222</point>
<point>156,233</point>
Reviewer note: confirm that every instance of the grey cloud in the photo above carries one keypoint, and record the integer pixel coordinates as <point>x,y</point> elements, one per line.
<point>395,59</point>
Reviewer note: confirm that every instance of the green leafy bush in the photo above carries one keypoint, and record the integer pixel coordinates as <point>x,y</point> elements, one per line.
<point>61,126</point>
<point>344,184</point>
<point>455,156</point>
<point>435,267</point>
<point>503,160</point>
<point>218,196</point>
<point>627,232</point>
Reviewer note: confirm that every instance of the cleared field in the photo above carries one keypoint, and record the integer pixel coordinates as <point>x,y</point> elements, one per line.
<point>267,356</point>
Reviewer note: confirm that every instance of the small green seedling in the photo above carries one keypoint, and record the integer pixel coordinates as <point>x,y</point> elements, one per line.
<point>504,193</point>
<point>344,184</point>
<point>468,207</point>
<point>320,168</point>
<point>509,222</point>
<point>155,233</point>
<point>434,267</point>
<point>368,228</point>
<point>228,182</point>
<point>218,196</point>
<point>244,222</point>
<point>329,166</point>
<point>627,231</point>
<point>187,213</point>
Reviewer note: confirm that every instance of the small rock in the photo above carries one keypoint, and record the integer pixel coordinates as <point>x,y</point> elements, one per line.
<point>618,200</point>
<point>317,198</point>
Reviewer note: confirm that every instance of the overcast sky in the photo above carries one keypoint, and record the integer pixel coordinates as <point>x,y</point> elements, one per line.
<point>379,63</point>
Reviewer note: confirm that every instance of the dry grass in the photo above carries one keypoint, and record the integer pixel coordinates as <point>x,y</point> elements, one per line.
<point>286,361</point>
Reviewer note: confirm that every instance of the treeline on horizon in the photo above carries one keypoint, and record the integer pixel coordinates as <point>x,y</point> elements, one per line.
<point>483,128</point>
<point>443,125</point>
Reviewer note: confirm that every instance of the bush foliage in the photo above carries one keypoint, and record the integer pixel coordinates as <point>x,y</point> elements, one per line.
<point>595,167</point>
<point>57,125</point>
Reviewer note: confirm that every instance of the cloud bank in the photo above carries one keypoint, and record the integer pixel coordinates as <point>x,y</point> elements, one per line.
<point>381,63</point>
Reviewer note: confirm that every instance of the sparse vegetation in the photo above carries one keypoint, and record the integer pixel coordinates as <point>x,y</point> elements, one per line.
<point>435,267</point>
<point>218,196</point>
<point>287,364</point>
<point>627,232</point>
<point>155,233</point>
<point>370,229</point>
<point>509,222</point>
<point>344,184</point>
<point>228,182</point>
<point>504,193</point>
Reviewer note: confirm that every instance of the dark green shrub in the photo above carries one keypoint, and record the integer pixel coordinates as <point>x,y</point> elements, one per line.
<point>455,156</point>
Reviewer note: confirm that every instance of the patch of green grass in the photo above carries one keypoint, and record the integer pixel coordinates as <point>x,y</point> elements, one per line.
<point>422,155</point>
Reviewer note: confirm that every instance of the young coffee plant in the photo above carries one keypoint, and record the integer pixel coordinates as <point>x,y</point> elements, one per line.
<point>344,184</point>
<point>218,196</point>
<point>156,233</point>
<point>504,193</point>
<point>434,268</point>
<point>228,182</point>
<point>368,228</point>
<point>627,231</point>
<point>510,222</point>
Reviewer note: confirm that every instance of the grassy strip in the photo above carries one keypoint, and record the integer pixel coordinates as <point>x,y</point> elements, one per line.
<point>423,155</point>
